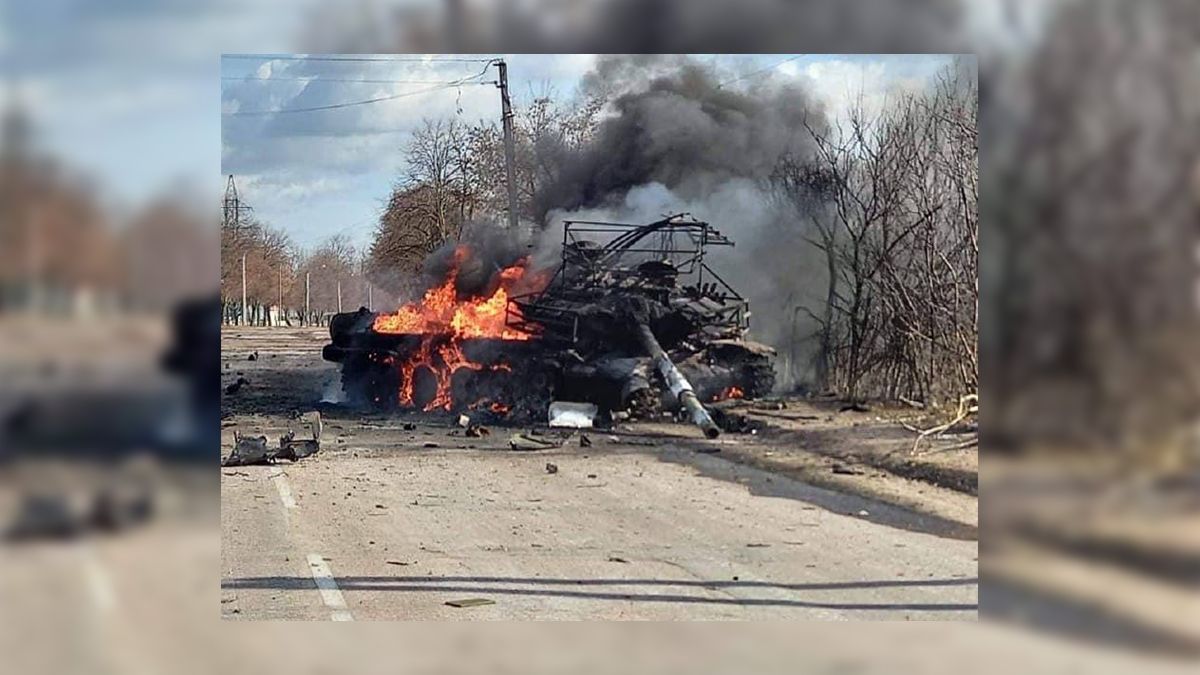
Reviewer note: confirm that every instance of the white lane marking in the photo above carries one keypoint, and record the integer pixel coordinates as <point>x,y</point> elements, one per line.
<point>285,491</point>
<point>330,594</point>
<point>99,583</point>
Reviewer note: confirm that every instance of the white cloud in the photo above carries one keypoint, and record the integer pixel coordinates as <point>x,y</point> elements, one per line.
<point>285,187</point>
<point>842,84</point>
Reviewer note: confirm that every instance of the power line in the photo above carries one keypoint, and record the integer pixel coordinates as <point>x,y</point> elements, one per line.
<point>334,106</point>
<point>319,78</point>
<point>761,70</point>
<point>354,59</point>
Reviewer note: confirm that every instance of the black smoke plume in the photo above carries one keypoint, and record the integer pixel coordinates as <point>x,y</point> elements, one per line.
<point>672,122</point>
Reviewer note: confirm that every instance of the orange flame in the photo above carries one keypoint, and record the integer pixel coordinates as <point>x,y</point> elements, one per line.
<point>440,311</point>
<point>728,393</point>
<point>443,321</point>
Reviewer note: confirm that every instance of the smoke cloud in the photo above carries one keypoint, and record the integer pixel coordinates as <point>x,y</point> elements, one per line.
<point>675,140</point>
<point>671,122</point>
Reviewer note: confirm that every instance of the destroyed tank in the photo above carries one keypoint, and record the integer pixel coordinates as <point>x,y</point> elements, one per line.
<point>633,319</point>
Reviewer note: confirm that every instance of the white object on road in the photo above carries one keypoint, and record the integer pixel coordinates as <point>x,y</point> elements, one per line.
<point>572,415</point>
<point>331,595</point>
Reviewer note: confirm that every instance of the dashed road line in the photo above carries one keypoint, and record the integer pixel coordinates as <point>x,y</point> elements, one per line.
<point>331,595</point>
<point>285,490</point>
<point>99,583</point>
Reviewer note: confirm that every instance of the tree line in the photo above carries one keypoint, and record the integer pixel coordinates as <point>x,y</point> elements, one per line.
<point>285,285</point>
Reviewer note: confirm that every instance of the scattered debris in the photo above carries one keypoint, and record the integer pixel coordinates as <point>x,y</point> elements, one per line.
<point>769,404</point>
<point>254,449</point>
<point>617,560</point>
<point>293,449</point>
<point>400,563</point>
<point>855,407</point>
<point>736,423</point>
<point>551,467</point>
<point>236,386</point>
<point>844,470</point>
<point>478,431</point>
<point>464,421</point>
<point>572,415</point>
<point>248,450</point>
<point>409,426</point>
<point>757,545</point>
<point>430,445</point>
<point>470,602</point>
<point>528,442</point>
<point>584,441</point>
<point>710,450</point>
<point>253,356</point>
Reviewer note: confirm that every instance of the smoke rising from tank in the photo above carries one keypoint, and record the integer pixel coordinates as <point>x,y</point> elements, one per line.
<point>671,122</point>
<point>675,140</point>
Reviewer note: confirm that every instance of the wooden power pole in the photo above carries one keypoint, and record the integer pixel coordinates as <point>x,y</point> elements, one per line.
<point>506,118</point>
<point>279,310</point>
<point>245,315</point>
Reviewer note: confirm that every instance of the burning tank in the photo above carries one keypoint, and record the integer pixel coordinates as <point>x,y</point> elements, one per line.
<point>631,319</point>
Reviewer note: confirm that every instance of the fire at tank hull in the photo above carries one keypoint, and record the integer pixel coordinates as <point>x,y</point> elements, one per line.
<point>437,372</point>
<point>515,380</point>
<point>633,328</point>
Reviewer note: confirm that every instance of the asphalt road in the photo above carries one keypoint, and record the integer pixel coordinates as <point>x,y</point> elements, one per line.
<point>651,533</point>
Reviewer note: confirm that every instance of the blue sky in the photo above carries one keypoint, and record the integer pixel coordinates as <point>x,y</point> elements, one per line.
<point>324,172</point>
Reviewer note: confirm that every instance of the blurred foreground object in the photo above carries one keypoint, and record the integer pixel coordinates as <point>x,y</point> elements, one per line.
<point>636,26</point>
<point>1090,361</point>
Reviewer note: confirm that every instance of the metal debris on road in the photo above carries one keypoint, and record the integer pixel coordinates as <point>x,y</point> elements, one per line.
<point>236,386</point>
<point>470,602</point>
<point>572,415</point>
<point>527,442</point>
<point>254,449</point>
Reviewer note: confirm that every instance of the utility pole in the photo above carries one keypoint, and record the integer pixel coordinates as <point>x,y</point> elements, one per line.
<point>339,286</point>
<point>307,313</point>
<point>362,272</point>
<point>506,118</point>
<point>245,316</point>
<point>279,310</point>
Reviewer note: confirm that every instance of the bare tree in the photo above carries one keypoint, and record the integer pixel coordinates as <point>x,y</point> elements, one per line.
<point>890,200</point>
